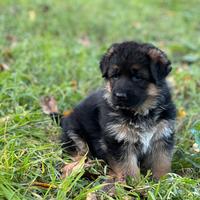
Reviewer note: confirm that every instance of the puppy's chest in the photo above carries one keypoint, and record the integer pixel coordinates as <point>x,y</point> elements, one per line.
<point>132,133</point>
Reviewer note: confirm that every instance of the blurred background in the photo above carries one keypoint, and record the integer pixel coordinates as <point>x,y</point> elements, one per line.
<point>54,47</point>
<point>49,45</point>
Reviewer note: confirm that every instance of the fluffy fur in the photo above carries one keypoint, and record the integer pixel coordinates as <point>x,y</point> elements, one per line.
<point>130,122</point>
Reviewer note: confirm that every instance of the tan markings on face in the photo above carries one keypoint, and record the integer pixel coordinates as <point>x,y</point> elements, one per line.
<point>152,90</point>
<point>157,56</point>
<point>151,100</point>
<point>113,70</point>
<point>115,67</point>
<point>146,106</point>
<point>135,67</point>
<point>108,86</point>
<point>107,97</point>
<point>140,70</point>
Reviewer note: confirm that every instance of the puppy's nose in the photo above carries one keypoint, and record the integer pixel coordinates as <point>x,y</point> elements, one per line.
<point>121,95</point>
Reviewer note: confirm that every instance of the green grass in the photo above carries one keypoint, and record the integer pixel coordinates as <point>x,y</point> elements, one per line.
<point>42,43</point>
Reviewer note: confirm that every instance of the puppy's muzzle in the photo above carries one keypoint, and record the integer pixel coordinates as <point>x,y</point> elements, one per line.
<point>120,96</point>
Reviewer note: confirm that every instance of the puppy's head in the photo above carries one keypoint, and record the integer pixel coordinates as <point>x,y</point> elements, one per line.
<point>134,72</point>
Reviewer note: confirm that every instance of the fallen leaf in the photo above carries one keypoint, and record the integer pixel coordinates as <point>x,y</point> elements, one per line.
<point>181,113</point>
<point>85,41</point>
<point>74,84</point>
<point>75,166</point>
<point>7,54</point>
<point>49,105</point>
<point>32,15</point>
<point>44,185</point>
<point>69,168</point>
<point>4,67</point>
<point>12,39</point>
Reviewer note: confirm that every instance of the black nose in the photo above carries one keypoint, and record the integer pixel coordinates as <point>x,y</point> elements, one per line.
<point>121,96</point>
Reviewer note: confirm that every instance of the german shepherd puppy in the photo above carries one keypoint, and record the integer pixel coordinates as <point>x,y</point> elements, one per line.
<point>129,123</point>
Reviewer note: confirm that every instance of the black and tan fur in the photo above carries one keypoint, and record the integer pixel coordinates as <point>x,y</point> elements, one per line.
<point>130,122</point>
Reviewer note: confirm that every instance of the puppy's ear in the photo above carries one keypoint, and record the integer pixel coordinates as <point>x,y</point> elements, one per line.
<point>159,64</point>
<point>105,60</point>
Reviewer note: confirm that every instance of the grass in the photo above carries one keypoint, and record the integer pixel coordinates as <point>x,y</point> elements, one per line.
<point>54,47</point>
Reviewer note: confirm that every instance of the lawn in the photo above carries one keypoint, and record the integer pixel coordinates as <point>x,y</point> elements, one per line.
<point>54,47</point>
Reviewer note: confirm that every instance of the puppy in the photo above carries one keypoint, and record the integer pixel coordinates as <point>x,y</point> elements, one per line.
<point>129,123</point>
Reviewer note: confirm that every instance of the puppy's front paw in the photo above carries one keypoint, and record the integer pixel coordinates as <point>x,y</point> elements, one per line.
<point>109,188</point>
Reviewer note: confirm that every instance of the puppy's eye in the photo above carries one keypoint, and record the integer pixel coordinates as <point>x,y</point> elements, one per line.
<point>136,78</point>
<point>115,76</point>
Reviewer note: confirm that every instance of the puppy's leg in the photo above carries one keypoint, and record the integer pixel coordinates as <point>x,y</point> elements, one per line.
<point>161,164</point>
<point>114,175</point>
<point>126,167</point>
<point>120,170</point>
<point>159,159</point>
<point>75,146</point>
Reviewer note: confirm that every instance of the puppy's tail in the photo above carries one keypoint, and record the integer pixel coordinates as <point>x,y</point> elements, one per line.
<point>49,107</point>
